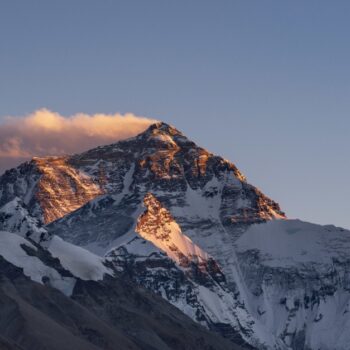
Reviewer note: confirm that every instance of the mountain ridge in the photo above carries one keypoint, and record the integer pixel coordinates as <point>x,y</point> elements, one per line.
<point>185,224</point>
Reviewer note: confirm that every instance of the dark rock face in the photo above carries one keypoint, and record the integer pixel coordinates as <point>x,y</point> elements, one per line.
<point>20,182</point>
<point>162,276</point>
<point>15,217</point>
<point>5,344</point>
<point>101,315</point>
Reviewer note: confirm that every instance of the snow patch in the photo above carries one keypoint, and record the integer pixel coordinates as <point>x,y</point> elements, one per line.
<point>80,262</point>
<point>34,268</point>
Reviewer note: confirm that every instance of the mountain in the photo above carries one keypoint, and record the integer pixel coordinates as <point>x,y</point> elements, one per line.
<point>161,213</point>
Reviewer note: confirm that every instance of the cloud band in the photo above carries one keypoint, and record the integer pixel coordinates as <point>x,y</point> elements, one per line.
<point>48,133</point>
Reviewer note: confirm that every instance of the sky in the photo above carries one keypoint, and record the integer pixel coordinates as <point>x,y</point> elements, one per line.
<point>265,84</point>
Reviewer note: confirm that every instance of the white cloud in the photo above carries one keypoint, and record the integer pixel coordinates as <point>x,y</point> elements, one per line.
<point>48,133</point>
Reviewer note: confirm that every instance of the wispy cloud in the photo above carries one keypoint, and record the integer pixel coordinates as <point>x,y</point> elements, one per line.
<point>48,133</point>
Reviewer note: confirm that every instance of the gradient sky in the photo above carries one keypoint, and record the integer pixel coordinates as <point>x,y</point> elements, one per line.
<point>265,84</point>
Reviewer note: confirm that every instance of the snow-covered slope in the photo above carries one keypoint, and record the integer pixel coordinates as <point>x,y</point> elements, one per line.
<point>297,276</point>
<point>187,225</point>
<point>28,245</point>
<point>13,249</point>
<point>80,262</point>
<point>40,265</point>
<point>24,229</point>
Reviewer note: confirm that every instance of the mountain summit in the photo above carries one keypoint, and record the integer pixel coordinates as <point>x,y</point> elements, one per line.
<point>165,214</point>
<point>159,158</point>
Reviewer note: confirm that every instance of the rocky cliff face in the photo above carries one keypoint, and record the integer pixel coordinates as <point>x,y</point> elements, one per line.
<point>184,223</point>
<point>50,187</point>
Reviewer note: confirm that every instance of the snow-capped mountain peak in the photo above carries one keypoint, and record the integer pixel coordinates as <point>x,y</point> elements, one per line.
<point>184,223</point>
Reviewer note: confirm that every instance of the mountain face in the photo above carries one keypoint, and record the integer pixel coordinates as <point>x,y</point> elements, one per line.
<point>44,306</point>
<point>163,214</point>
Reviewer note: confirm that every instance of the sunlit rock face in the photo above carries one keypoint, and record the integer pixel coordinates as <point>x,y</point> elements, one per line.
<point>157,226</point>
<point>50,187</point>
<point>62,188</point>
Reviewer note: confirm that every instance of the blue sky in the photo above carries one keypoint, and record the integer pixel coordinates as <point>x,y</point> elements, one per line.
<point>266,84</point>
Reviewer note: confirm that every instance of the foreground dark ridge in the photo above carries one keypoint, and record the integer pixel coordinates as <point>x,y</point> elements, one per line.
<point>111,314</point>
